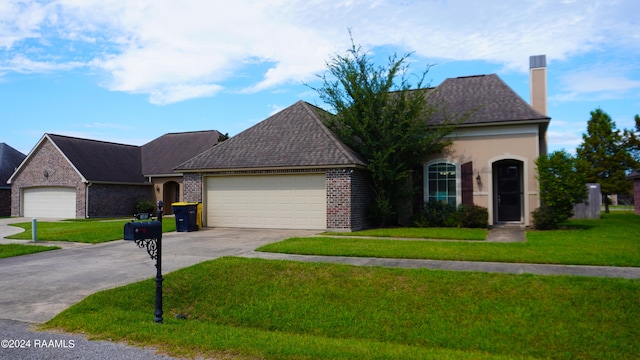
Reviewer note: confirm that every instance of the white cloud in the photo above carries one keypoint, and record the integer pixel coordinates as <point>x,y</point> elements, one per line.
<point>564,135</point>
<point>176,50</point>
<point>598,81</point>
<point>176,93</point>
<point>22,64</point>
<point>19,19</point>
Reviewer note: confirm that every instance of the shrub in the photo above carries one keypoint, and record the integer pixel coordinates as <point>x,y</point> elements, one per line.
<point>473,216</point>
<point>561,186</point>
<point>544,219</point>
<point>439,214</point>
<point>436,214</point>
<point>145,207</point>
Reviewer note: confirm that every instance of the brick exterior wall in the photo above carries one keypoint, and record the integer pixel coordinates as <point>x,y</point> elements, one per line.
<point>47,167</point>
<point>361,199</point>
<point>348,198</point>
<point>5,202</point>
<point>192,187</point>
<point>107,200</point>
<point>636,195</point>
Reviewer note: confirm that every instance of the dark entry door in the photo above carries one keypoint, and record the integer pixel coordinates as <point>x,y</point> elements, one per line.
<point>509,191</point>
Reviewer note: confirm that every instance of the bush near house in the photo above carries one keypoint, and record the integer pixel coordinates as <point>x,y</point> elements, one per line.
<point>561,186</point>
<point>544,219</point>
<point>145,207</point>
<point>440,214</point>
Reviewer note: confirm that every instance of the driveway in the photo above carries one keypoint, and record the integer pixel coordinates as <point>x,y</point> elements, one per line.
<point>36,287</point>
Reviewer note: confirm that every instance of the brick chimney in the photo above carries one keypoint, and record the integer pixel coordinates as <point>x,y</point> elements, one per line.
<point>538,79</point>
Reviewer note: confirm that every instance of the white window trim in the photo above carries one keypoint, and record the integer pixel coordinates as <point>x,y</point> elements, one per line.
<point>425,185</point>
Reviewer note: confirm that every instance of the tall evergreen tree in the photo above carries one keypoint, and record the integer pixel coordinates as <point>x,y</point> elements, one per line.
<point>633,139</point>
<point>604,155</point>
<point>383,117</point>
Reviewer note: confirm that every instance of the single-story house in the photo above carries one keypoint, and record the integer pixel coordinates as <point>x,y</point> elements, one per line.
<point>68,177</point>
<point>291,171</point>
<point>10,159</point>
<point>635,177</point>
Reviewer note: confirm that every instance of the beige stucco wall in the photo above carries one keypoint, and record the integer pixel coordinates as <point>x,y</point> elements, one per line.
<point>487,145</point>
<point>162,192</point>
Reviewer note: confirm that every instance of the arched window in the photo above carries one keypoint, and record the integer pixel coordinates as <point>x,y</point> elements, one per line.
<point>441,183</point>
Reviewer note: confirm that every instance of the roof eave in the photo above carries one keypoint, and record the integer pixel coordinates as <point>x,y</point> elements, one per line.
<point>508,122</point>
<point>117,182</point>
<point>275,168</point>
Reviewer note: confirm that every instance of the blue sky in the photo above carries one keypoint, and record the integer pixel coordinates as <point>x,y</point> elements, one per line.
<point>130,71</point>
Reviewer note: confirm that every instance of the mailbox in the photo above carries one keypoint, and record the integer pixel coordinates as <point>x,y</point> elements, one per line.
<point>143,230</point>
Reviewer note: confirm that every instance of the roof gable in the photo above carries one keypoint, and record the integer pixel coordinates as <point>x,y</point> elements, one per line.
<point>293,137</point>
<point>99,160</point>
<point>162,155</point>
<point>489,98</point>
<point>10,159</point>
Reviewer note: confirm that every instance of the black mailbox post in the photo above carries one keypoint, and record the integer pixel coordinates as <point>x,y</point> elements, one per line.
<point>148,234</point>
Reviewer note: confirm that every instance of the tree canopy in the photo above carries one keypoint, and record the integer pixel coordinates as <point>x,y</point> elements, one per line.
<point>381,115</point>
<point>605,156</point>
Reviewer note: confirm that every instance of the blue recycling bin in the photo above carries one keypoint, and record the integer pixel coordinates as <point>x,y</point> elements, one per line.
<point>186,214</point>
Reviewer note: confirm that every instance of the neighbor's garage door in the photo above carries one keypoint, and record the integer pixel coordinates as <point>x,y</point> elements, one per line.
<point>50,202</point>
<point>269,201</point>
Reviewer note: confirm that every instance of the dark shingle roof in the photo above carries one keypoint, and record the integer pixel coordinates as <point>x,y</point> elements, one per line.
<point>162,155</point>
<point>293,137</point>
<point>10,159</point>
<point>101,161</point>
<point>494,100</point>
<point>635,174</point>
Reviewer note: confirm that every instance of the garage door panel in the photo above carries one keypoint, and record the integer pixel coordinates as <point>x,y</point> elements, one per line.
<point>270,201</point>
<point>49,202</point>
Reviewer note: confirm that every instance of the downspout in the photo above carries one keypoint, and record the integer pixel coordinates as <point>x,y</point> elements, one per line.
<point>86,199</point>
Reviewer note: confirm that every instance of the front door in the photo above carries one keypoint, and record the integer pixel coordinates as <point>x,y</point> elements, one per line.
<point>509,191</point>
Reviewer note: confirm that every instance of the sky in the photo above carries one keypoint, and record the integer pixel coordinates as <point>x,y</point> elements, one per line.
<point>129,71</point>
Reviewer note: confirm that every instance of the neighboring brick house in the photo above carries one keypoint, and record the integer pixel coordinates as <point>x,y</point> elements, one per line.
<point>635,177</point>
<point>10,159</point>
<point>290,170</point>
<point>68,177</point>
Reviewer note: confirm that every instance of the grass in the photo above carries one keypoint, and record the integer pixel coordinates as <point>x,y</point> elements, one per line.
<point>252,308</point>
<point>419,233</point>
<point>81,230</point>
<point>610,241</point>
<point>9,250</point>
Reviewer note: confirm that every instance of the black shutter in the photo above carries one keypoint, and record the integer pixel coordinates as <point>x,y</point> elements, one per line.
<point>467,183</point>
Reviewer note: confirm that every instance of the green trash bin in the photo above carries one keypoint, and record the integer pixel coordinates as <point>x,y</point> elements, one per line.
<point>187,215</point>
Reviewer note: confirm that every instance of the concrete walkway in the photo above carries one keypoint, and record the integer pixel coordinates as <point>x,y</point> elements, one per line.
<point>507,233</point>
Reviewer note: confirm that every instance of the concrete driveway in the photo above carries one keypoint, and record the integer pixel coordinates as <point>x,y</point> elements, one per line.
<point>34,288</point>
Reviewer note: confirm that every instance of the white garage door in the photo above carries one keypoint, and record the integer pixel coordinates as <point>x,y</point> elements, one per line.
<point>50,202</point>
<point>269,201</point>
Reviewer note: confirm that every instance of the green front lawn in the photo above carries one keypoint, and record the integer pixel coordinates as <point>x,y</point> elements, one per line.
<point>251,308</point>
<point>610,241</point>
<point>9,250</point>
<point>86,230</point>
